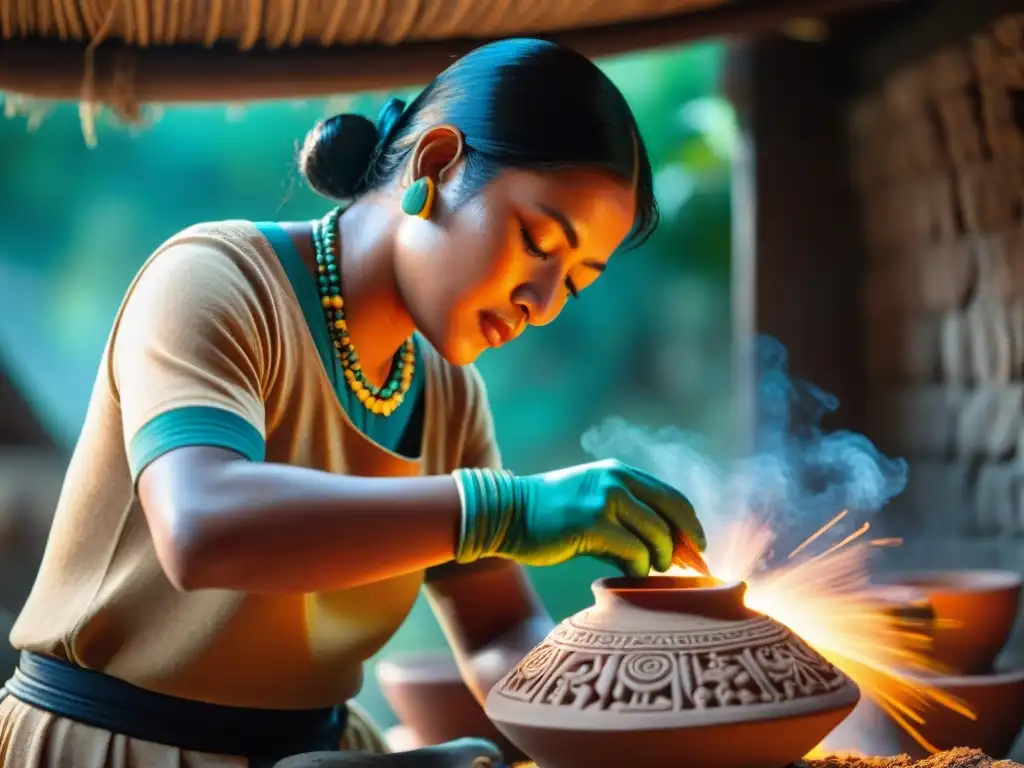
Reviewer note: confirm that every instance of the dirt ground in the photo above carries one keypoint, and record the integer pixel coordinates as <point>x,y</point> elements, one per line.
<point>955,758</point>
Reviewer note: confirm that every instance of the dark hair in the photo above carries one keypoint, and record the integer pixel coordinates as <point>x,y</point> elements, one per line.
<point>520,103</point>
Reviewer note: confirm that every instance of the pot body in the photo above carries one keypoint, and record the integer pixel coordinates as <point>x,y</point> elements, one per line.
<point>670,671</point>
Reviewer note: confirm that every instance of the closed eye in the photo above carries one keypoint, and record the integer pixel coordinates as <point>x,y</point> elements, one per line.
<point>531,247</point>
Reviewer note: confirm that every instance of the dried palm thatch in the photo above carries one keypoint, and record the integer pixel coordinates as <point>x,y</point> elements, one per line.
<point>125,53</point>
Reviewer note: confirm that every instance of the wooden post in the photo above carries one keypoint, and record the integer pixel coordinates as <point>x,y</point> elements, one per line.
<point>797,260</point>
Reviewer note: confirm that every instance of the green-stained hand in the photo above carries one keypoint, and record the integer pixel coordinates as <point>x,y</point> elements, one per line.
<point>606,509</point>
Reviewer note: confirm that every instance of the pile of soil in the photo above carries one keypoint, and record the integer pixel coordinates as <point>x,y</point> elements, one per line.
<point>954,758</point>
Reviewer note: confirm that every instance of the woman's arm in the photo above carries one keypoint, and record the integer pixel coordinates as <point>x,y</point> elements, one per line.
<point>491,616</point>
<point>221,522</point>
<point>489,611</point>
<point>193,354</point>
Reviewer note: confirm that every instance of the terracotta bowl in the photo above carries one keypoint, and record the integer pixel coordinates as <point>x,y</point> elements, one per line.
<point>426,691</point>
<point>980,608</point>
<point>670,671</point>
<point>996,699</point>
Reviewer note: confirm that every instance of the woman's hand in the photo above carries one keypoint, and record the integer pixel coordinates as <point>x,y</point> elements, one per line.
<point>462,753</point>
<point>605,509</point>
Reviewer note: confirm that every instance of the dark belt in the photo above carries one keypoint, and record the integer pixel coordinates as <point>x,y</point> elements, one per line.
<point>263,736</point>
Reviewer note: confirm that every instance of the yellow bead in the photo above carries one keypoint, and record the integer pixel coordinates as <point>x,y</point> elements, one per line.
<point>398,399</point>
<point>339,324</point>
<point>325,302</point>
<point>356,366</point>
<point>321,269</point>
<point>337,302</point>
<point>387,409</point>
<point>362,394</point>
<point>375,406</point>
<point>349,376</point>
<point>357,386</point>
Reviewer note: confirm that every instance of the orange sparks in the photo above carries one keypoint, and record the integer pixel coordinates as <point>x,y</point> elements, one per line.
<point>827,599</point>
<point>817,535</point>
<point>890,542</point>
<point>852,537</point>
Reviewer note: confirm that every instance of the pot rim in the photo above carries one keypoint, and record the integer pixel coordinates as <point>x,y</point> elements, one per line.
<point>955,580</point>
<point>703,594</point>
<point>429,666</point>
<point>945,680</point>
<point>662,583</point>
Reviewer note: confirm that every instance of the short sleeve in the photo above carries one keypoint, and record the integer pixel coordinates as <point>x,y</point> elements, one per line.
<point>189,353</point>
<point>480,447</point>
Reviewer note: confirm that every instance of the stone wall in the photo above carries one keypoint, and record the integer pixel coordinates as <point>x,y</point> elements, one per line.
<point>938,162</point>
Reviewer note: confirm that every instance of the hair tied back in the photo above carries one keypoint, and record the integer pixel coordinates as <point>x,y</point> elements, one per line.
<point>388,119</point>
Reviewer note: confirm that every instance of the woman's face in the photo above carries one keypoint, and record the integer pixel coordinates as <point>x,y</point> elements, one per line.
<point>511,256</point>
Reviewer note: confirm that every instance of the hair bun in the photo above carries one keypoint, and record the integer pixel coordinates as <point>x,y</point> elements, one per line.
<point>388,117</point>
<point>336,156</point>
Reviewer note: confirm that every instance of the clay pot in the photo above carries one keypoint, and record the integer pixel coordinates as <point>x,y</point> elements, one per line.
<point>997,700</point>
<point>905,602</point>
<point>670,671</point>
<point>979,608</point>
<point>426,691</point>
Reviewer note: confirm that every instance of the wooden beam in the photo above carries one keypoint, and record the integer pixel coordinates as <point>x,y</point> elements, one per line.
<point>124,77</point>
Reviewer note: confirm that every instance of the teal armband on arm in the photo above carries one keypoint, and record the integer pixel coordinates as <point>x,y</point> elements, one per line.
<point>488,510</point>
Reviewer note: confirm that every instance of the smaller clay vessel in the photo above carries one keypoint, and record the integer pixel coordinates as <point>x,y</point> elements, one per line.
<point>978,609</point>
<point>997,701</point>
<point>426,691</point>
<point>905,602</point>
<point>670,671</point>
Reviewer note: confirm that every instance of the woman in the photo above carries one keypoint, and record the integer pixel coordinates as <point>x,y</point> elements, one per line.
<point>287,438</point>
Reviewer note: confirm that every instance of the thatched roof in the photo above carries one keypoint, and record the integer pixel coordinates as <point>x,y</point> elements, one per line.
<point>129,52</point>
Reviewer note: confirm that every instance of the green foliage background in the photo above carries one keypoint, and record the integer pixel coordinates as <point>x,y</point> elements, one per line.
<point>649,342</point>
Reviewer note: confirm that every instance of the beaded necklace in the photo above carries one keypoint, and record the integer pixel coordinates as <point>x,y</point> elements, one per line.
<point>381,400</point>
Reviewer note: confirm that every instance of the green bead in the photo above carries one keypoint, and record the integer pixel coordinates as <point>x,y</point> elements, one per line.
<point>414,199</point>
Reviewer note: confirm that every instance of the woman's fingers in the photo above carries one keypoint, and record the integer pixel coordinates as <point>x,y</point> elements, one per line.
<point>461,753</point>
<point>646,525</point>
<point>610,541</point>
<point>669,503</point>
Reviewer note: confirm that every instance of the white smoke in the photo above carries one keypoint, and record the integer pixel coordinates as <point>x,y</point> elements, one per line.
<point>798,475</point>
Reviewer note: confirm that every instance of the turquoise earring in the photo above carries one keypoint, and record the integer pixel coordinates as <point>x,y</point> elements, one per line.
<point>418,199</point>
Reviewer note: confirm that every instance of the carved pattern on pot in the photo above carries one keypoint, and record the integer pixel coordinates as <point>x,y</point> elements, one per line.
<point>759,663</point>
